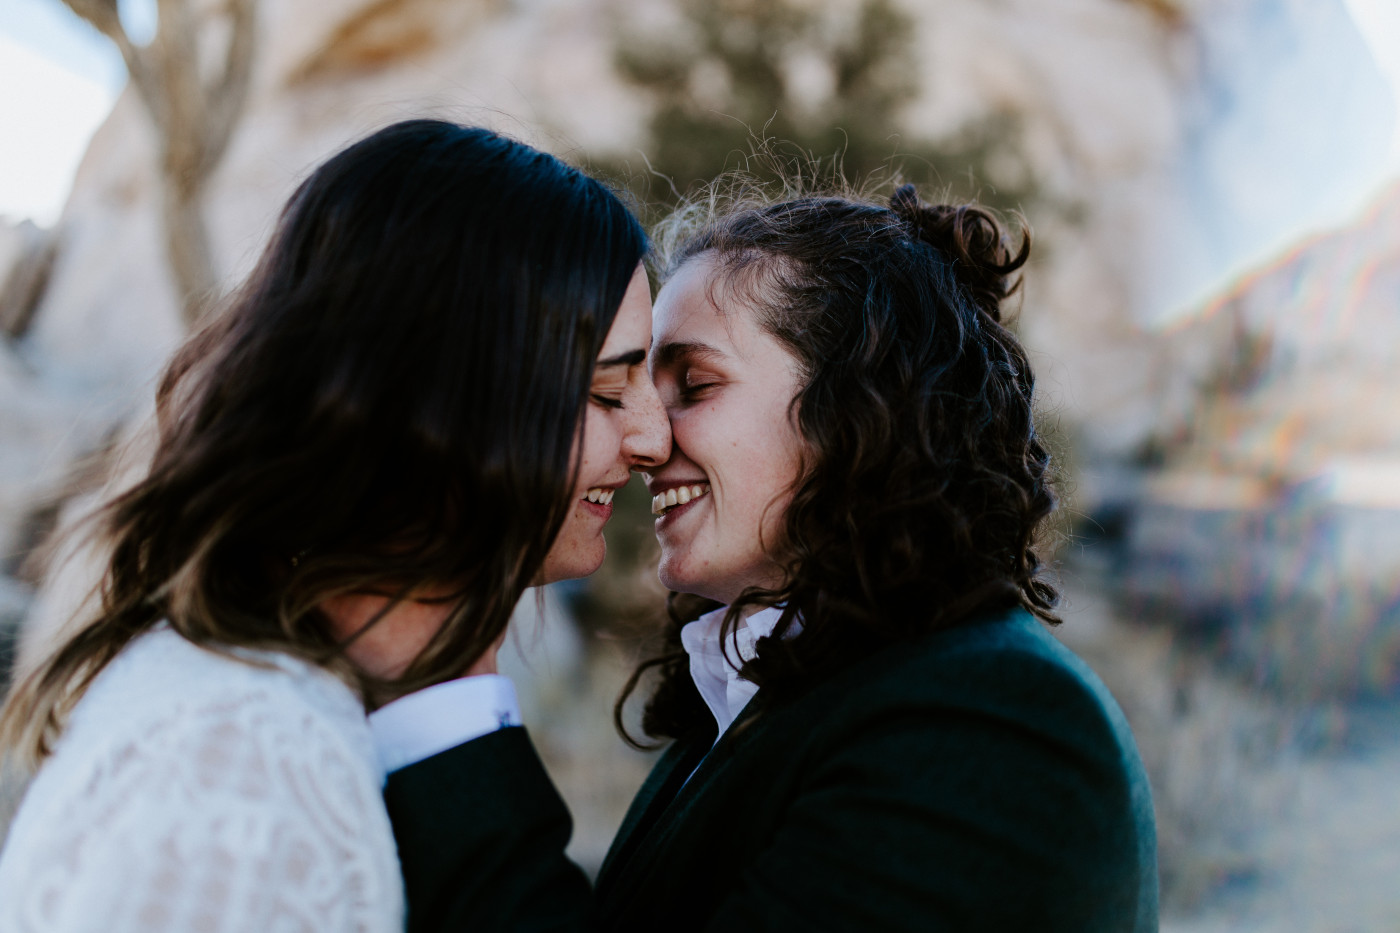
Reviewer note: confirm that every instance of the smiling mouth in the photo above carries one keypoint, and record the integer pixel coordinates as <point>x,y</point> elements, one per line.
<point>663,502</point>
<point>600,495</point>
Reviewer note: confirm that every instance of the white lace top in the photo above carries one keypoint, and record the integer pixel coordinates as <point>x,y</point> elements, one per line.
<point>195,793</point>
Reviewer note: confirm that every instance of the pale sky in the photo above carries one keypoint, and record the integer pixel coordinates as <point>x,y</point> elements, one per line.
<point>1379,22</point>
<point>48,114</point>
<point>58,79</point>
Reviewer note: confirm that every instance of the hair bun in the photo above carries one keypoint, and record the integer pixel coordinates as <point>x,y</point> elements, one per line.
<point>974,238</point>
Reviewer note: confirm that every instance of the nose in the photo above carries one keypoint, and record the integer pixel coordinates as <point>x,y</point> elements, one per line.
<point>646,440</point>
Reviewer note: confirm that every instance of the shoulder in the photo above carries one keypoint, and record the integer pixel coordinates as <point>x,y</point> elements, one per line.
<point>170,710</point>
<point>166,708</point>
<point>999,695</point>
<point>180,762</point>
<point>163,684</point>
<point>1013,637</point>
<point>1005,664</point>
<point>993,725</point>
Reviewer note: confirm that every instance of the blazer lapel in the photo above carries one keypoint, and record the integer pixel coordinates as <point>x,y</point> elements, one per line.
<point>656,793</point>
<point>668,797</point>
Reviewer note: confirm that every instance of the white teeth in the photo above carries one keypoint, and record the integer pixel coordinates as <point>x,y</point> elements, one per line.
<point>680,495</point>
<point>600,495</point>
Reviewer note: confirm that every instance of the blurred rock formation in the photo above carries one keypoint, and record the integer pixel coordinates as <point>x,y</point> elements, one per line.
<point>1273,518</point>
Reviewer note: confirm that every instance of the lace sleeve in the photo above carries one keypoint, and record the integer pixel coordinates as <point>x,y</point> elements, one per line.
<point>246,817</point>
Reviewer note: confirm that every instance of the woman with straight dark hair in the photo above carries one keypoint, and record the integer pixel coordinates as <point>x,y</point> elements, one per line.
<point>872,727</point>
<point>419,404</point>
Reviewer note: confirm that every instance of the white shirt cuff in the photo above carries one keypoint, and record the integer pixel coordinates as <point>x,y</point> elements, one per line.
<point>440,717</point>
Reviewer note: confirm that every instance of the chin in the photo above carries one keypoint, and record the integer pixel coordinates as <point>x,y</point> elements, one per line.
<point>573,565</point>
<point>666,572</point>
<point>674,578</point>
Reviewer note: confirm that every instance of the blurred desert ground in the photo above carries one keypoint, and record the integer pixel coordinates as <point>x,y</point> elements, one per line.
<point>1213,309</point>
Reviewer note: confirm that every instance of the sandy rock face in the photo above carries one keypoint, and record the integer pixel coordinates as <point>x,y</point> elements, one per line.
<point>1172,145</point>
<point>1304,383</point>
<point>1277,509</point>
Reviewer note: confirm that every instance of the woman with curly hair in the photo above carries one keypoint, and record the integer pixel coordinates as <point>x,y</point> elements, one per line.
<point>873,728</point>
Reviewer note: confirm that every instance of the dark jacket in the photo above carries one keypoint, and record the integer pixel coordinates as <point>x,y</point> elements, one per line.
<point>980,778</point>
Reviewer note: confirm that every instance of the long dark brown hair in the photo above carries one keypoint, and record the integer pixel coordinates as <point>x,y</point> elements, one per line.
<point>392,400</point>
<point>925,484</point>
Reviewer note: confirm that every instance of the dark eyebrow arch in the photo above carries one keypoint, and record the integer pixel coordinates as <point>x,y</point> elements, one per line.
<point>630,358</point>
<point>669,353</point>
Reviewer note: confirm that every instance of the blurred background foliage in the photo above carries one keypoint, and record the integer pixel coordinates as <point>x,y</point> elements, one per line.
<point>827,83</point>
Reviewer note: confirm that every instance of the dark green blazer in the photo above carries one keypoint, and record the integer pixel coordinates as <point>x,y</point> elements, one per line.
<point>979,779</point>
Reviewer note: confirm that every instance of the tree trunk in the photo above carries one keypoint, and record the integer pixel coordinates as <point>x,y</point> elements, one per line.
<point>194,109</point>
<point>187,248</point>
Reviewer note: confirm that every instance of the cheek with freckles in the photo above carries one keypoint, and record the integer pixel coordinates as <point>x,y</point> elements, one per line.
<point>724,535</point>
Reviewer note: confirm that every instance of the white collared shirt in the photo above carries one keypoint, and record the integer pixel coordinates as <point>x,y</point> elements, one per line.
<point>714,666</point>
<point>432,720</point>
<point>443,716</point>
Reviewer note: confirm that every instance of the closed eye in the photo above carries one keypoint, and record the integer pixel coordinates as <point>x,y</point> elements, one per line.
<point>606,401</point>
<point>698,391</point>
<point>697,383</point>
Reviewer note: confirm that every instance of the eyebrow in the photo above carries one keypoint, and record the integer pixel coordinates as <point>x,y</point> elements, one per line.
<point>630,358</point>
<point>669,353</point>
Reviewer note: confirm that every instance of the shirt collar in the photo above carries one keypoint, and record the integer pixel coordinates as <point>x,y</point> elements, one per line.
<point>716,675</point>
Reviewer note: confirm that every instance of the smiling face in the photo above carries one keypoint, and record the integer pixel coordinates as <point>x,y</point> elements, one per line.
<point>728,387</point>
<point>624,429</point>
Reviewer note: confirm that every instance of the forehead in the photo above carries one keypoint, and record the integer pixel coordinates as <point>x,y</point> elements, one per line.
<point>631,327</point>
<point>699,305</point>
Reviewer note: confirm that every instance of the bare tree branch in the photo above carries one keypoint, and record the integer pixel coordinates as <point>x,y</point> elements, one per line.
<point>176,48</point>
<point>194,120</point>
<point>103,15</point>
<point>229,91</point>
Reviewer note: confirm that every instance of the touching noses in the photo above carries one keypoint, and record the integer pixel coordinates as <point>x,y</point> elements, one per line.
<point>646,440</point>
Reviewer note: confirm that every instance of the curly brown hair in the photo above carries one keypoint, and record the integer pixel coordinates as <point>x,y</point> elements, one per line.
<point>925,485</point>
